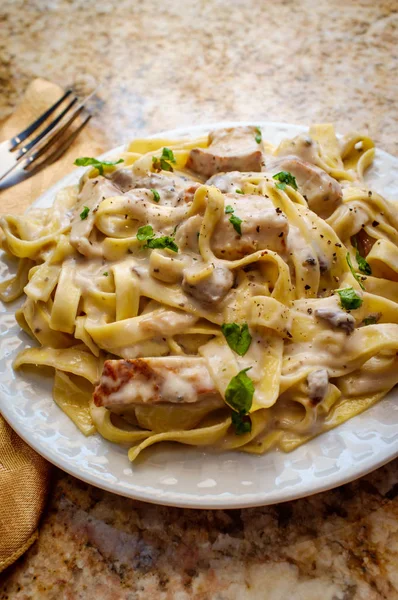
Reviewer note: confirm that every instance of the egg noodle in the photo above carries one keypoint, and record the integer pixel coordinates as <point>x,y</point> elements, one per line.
<point>250,311</point>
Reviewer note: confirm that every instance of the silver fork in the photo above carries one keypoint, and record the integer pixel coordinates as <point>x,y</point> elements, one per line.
<point>44,146</point>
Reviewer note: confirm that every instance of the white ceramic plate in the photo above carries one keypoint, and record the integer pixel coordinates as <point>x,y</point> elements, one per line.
<point>180,476</point>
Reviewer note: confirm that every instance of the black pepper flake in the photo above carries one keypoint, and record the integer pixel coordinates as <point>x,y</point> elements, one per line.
<point>258,228</point>
<point>309,311</point>
<point>307,287</point>
<point>289,335</point>
<point>278,210</point>
<point>322,236</point>
<point>329,242</point>
<point>375,223</point>
<point>281,234</point>
<point>369,194</point>
<point>310,261</point>
<point>338,245</point>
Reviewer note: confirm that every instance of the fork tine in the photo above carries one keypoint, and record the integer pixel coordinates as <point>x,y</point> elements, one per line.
<point>45,131</point>
<point>20,137</point>
<point>45,137</point>
<point>59,151</point>
<point>52,139</point>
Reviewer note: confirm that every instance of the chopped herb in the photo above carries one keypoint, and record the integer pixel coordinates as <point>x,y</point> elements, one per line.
<point>363,265</point>
<point>145,233</point>
<point>357,277</point>
<point>285,178</point>
<point>349,298</point>
<point>164,241</point>
<point>229,209</point>
<point>235,222</point>
<point>105,274</point>
<point>239,392</point>
<point>371,319</point>
<point>238,191</point>
<point>242,423</point>
<point>164,162</point>
<point>84,213</point>
<point>86,161</point>
<point>238,337</point>
<point>258,137</point>
<point>156,195</point>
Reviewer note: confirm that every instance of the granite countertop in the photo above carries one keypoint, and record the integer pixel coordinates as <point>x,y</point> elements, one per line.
<point>166,65</point>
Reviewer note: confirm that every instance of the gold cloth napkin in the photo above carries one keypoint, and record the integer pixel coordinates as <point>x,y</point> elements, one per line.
<point>24,475</point>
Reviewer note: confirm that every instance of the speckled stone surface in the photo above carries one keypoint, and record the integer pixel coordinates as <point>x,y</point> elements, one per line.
<point>165,65</point>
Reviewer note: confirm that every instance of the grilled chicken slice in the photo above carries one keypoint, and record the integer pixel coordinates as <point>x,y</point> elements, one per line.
<point>173,189</point>
<point>227,182</point>
<point>173,379</point>
<point>302,146</point>
<point>322,192</point>
<point>211,288</point>
<point>263,227</point>
<point>233,149</point>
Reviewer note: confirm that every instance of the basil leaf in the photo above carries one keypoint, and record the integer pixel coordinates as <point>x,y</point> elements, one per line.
<point>258,137</point>
<point>238,337</point>
<point>236,221</point>
<point>145,233</point>
<point>357,277</point>
<point>241,423</point>
<point>239,392</point>
<point>156,195</point>
<point>84,213</point>
<point>86,161</point>
<point>349,298</point>
<point>162,242</point>
<point>105,274</point>
<point>285,178</point>
<point>229,209</point>
<point>238,191</point>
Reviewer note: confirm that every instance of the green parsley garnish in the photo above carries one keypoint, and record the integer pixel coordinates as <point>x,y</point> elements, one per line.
<point>238,337</point>
<point>164,241</point>
<point>235,222</point>
<point>84,213</point>
<point>242,423</point>
<point>145,233</point>
<point>371,319</point>
<point>156,195</point>
<point>285,178</point>
<point>238,191</point>
<point>239,396</point>
<point>349,298</point>
<point>164,162</point>
<point>357,277</point>
<point>363,265</point>
<point>105,274</point>
<point>86,161</point>
<point>229,209</point>
<point>258,137</point>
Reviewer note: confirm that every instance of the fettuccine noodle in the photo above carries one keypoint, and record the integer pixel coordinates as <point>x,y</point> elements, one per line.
<point>215,292</point>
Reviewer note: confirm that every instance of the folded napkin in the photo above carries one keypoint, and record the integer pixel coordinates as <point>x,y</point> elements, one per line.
<point>24,475</point>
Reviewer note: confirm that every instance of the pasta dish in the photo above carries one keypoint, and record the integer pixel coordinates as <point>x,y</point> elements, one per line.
<point>217,292</point>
